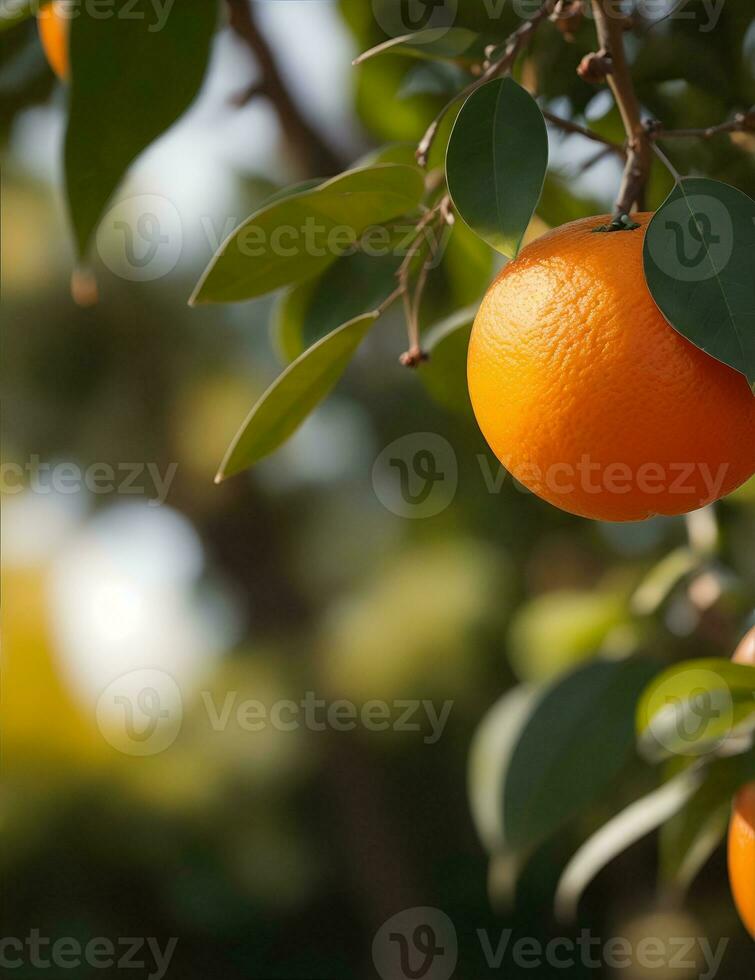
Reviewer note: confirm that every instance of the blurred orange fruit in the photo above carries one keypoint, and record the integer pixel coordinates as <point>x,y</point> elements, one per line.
<point>742,826</point>
<point>589,397</point>
<point>53,24</point>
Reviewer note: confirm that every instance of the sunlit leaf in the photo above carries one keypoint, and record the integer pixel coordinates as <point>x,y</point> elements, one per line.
<point>297,237</point>
<point>131,78</point>
<point>699,256</point>
<point>496,163</point>
<point>290,399</point>
<point>694,707</point>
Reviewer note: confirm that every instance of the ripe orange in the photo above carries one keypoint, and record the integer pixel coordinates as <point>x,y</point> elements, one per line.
<point>589,397</point>
<point>53,24</point>
<point>742,826</point>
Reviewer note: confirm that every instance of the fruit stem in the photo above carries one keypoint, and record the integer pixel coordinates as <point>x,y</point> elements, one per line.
<point>610,30</point>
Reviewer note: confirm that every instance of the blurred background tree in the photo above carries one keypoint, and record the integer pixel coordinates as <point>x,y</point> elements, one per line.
<point>280,853</point>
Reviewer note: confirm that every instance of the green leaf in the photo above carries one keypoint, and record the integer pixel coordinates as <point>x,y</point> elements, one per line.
<point>690,837</point>
<point>574,745</point>
<point>496,163</point>
<point>132,77</point>
<point>290,399</point>
<point>300,236</point>
<point>623,830</point>
<point>351,286</point>
<point>445,374</point>
<point>489,757</point>
<point>694,707</point>
<point>435,43</point>
<point>699,256</point>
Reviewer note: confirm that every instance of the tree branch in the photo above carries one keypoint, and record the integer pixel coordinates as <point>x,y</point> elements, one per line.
<point>318,157</point>
<point>567,126</point>
<point>741,123</point>
<point>610,30</point>
<point>500,66</point>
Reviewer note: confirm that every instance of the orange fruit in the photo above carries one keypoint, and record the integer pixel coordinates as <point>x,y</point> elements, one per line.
<point>53,24</point>
<point>589,397</point>
<point>742,826</point>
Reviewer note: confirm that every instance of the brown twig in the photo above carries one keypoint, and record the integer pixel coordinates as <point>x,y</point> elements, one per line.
<point>611,39</point>
<point>500,66</point>
<point>741,123</point>
<point>318,157</point>
<point>567,126</point>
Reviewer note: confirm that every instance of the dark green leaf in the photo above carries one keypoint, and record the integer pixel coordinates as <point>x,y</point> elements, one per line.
<point>300,236</point>
<point>131,78</point>
<point>574,745</point>
<point>290,399</point>
<point>434,43</point>
<point>353,285</point>
<point>694,707</point>
<point>699,256</point>
<point>496,163</point>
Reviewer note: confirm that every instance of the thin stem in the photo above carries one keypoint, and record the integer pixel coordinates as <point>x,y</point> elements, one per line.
<point>742,122</point>
<point>610,31</point>
<point>567,126</point>
<point>667,163</point>
<point>511,48</point>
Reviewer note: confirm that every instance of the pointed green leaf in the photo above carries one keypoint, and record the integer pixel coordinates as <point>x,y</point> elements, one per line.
<point>133,73</point>
<point>496,163</point>
<point>351,286</point>
<point>434,43</point>
<point>298,237</point>
<point>290,399</point>
<point>623,830</point>
<point>699,257</point>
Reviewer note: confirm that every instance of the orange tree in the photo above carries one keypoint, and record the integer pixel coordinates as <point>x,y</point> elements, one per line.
<point>464,97</point>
